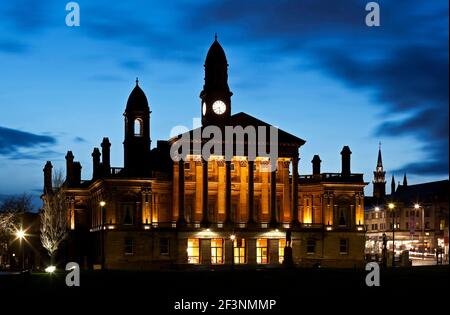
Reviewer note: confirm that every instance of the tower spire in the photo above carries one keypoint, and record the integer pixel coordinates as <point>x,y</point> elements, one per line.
<point>405,181</point>
<point>379,182</point>
<point>393,185</point>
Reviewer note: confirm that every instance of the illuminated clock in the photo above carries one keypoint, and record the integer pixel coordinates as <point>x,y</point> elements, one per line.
<point>204,108</point>
<point>219,107</point>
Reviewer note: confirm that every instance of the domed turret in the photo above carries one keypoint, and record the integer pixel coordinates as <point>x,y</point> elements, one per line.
<point>137,99</point>
<point>216,95</point>
<point>137,133</point>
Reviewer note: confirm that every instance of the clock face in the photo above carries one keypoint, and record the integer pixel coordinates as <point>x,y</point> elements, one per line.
<point>204,109</point>
<point>219,107</point>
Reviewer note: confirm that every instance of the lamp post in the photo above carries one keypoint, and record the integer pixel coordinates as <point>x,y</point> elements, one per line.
<point>417,207</point>
<point>102,205</point>
<point>392,207</point>
<point>20,234</point>
<point>232,238</point>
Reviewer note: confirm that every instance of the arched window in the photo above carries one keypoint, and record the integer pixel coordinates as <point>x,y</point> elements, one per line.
<point>138,127</point>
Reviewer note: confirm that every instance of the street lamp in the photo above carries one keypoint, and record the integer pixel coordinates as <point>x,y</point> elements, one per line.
<point>20,234</point>
<point>417,207</point>
<point>232,238</point>
<point>391,208</point>
<point>102,205</point>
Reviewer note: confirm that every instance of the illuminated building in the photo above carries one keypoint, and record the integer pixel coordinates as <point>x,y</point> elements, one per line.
<point>155,212</point>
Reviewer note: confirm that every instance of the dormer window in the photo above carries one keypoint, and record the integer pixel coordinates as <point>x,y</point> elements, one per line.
<point>138,127</point>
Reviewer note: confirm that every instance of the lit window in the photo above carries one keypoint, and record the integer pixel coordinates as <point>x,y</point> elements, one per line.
<point>164,246</point>
<point>138,128</point>
<point>311,246</point>
<point>281,246</point>
<point>193,251</point>
<point>261,251</point>
<point>128,246</point>
<point>442,224</point>
<point>343,246</point>
<point>239,251</point>
<point>217,251</point>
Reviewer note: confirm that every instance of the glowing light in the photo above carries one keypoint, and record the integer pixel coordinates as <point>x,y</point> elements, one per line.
<point>102,203</point>
<point>50,269</point>
<point>232,237</point>
<point>329,228</point>
<point>391,206</point>
<point>416,206</point>
<point>20,234</point>
<point>377,208</point>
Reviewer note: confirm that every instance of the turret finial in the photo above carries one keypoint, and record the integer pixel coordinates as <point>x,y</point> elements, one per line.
<point>137,81</point>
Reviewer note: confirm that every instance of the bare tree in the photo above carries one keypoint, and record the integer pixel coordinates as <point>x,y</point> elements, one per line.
<point>54,217</point>
<point>17,204</point>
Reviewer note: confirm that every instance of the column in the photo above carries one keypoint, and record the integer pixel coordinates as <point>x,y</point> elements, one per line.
<point>221,190</point>
<point>273,195</point>
<point>243,203</point>
<point>205,221</point>
<point>181,210</point>
<point>228,219</point>
<point>265,190</point>
<point>286,214</point>
<point>294,220</point>
<point>251,215</point>
<point>198,191</point>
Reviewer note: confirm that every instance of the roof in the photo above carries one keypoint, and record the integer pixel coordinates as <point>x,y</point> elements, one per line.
<point>245,120</point>
<point>425,192</point>
<point>137,100</point>
<point>216,54</point>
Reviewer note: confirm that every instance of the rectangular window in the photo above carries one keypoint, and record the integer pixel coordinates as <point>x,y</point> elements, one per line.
<point>193,251</point>
<point>311,246</point>
<point>376,226</point>
<point>406,213</point>
<point>187,166</point>
<point>232,166</point>
<point>128,246</point>
<point>281,246</point>
<point>164,246</point>
<point>239,251</point>
<point>343,246</point>
<point>261,251</point>
<point>441,224</point>
<point>407,225</point>
<point>217,251</point>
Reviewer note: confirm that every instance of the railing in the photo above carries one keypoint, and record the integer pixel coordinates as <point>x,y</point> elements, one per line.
<point>333,177</point>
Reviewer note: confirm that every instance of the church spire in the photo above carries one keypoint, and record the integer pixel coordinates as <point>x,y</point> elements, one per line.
<point>379,182</point>
<point>405,181</point>
<point>380,161</point>
<point>393,185</point>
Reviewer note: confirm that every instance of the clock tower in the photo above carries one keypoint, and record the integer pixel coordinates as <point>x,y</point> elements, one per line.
<point>216,95</point>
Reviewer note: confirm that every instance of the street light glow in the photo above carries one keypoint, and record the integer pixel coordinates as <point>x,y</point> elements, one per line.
<point>102,203</point>
<point>50,269</point>
<point>416,206</point>
<point>20,234</point>
<point>391,206</point>
<point>377,208</point>
<point>232,237</point>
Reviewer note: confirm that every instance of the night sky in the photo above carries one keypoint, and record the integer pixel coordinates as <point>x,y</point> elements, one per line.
<point>312,68</point>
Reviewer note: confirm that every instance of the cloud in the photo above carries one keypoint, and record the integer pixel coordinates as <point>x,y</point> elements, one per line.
<point>79,139</point>
<point>17,145</point>
<point>12,46</point>
<point>403,64</point>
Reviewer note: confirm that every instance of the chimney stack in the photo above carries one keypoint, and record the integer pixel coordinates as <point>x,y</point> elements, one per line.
<point>69,168</point>
<point>95,163</point>
<point>76,173</point>
<point>316,165</point>
<point>48,186</point>
<point>346,153</point>
<point>106,156</point>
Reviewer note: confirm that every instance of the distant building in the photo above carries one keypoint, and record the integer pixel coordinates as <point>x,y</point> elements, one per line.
<point>421,215</point>
<point>154,212</point>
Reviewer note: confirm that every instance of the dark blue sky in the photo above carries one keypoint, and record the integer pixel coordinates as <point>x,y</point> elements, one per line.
<point>313,68</point>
